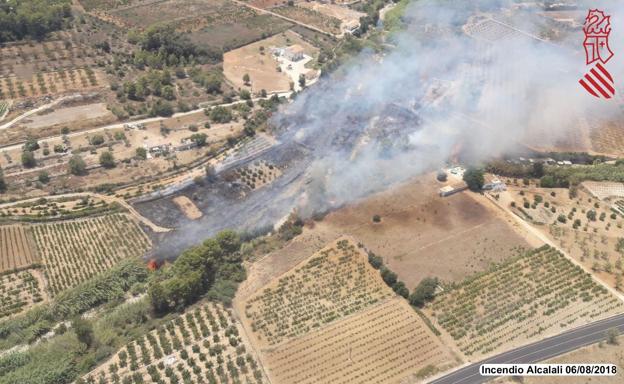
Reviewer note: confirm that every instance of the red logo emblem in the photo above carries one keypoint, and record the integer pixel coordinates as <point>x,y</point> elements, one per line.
<point>598,81</point>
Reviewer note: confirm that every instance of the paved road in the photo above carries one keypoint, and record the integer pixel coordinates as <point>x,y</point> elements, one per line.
<point>538,351</point>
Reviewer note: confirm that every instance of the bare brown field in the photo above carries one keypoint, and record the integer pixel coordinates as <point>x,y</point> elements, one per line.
<point>326,23</point>
<point>387,343</point>
<point>187,207</point>
<point>16,250</point>
<point>260,65</point>
<point>63,116</point>
<point>343,14</point>
<point>268,4</point>
<point>422,234</point>
<point>230,31</point>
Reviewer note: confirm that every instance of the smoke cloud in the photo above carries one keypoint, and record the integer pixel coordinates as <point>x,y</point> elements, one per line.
<point>445,85</point>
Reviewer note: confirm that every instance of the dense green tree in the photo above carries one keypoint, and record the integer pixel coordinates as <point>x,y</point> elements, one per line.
<point>107,159</point>
<point>44,177</point>
<point>168,92</point>
<point>77,165</point>
<point>538,170</point>
<point>199,138</point>
<point>161,108</point>
<point>84,330</point>
<point>474,178</point>
<point>400,289</point>
<point>3,185</point>
<point>424,291</point>
<point>28,159</point>
<point>31,144</point>
<point>141,153</point>
<point>220,114</point>
<point>375,260</point>
<point>21,19</point>
<point>612,335</point>
<point>388,276</point>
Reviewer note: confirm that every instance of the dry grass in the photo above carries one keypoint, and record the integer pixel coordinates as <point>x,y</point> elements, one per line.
<point>187,207</point>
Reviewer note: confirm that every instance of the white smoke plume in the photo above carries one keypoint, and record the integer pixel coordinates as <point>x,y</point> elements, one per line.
<point>464,91</point>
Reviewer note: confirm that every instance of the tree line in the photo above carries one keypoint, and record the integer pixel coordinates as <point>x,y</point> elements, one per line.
<point>34,19</point>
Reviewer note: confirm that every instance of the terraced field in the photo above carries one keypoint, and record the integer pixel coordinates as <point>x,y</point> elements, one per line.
<point>74,251</point>
<point>535,294</point>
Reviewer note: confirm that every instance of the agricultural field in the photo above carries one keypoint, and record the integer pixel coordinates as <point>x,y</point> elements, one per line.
<point>149,13</point>
<point>586,228</point>
<point>74,251</point>
<point>18,291</point>
<point>333,283</point>
<point>204,345</point>
<point>51,83</point>
<point>240,28</point>
<point>16,248</point>
<point>312,17</point>
<point>387,343</point>
<point>256,175</point>
<point>53,209</point>
<point>92,5</point>
<point>525,298</point>
<point>604,190</point>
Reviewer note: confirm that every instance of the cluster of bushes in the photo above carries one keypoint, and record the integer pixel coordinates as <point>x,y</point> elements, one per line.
<point>389,277</point>
<point>162,45</point>
<point>156,83</point>
<point>214,264</point>
<point>106,287</point>
<point>21,19</point>
<point>562,177</point>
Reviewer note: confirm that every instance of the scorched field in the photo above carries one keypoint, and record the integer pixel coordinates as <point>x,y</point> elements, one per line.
<point>74,251</point>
